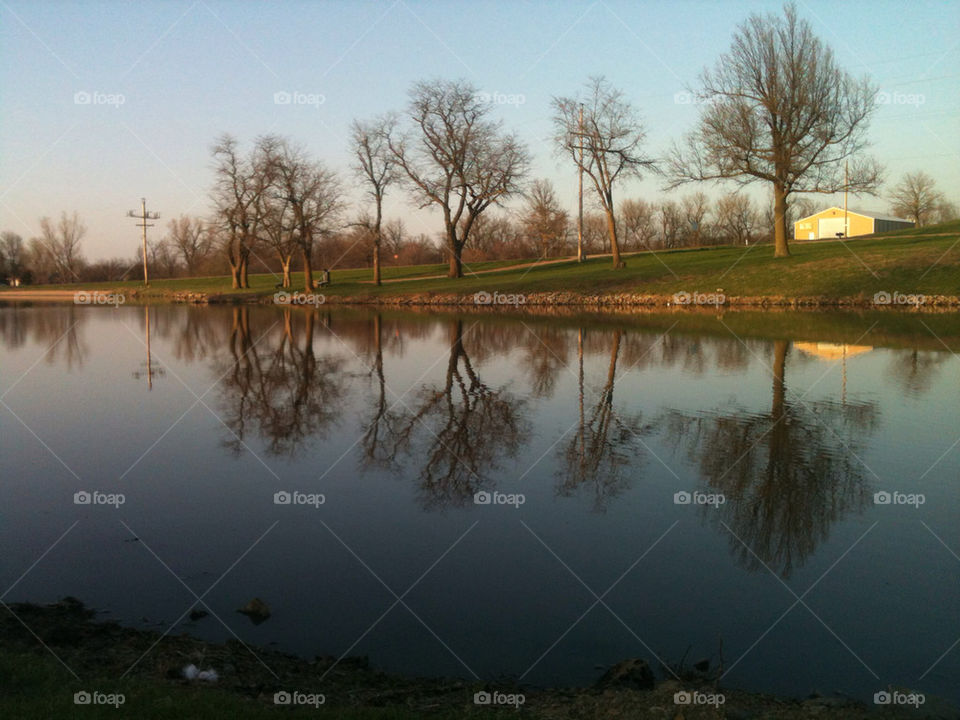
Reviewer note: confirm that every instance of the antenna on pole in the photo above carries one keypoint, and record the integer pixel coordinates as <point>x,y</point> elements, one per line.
<point>143,216</point>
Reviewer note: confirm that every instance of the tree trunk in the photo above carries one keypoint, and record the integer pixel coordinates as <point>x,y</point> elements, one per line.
<point>234,275</point>
<point>307,272</point>
<point>244,278</point>
<point>456,263</point>
<point>285,264</point>
<point>614,244</point>
<point>376,262</point>
<point>780,222</point>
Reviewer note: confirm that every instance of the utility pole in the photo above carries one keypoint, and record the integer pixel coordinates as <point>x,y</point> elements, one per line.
<point>846,184</point>
<point>580,212</point>
<point>143,216</point>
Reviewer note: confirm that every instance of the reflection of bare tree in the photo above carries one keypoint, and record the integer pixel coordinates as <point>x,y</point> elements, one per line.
<point>604,443</point>
<point>381,433</point>
<point>278,384</point>
<point>469,427</point>
<point>787,475</point>
<point>914,370</point>
<point>546,356</point>
<point>56,328</point>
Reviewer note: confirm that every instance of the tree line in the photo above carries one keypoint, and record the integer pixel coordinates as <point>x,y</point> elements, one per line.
<point>775,109</point>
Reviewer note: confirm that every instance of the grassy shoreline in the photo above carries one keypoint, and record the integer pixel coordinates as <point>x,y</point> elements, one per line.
<point>851,273</point>
<point>38,681</point>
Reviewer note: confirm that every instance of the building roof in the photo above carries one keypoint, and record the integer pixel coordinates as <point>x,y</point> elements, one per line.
<point>862,213</point>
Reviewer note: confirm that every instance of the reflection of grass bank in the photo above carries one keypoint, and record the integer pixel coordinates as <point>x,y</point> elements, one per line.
<point>33,684</point>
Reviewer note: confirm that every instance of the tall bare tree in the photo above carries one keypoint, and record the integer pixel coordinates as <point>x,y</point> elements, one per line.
<point>544,220</point>
<point>778,108</point>
<point>456,158</point>
<point>375,165</point>
<point>611,137</point>
<point>237,192</point>
<point>315,198</point>
<point>916,197</point>
<point>695,208</point>
<point>61,240</point>
<point>189,238</point>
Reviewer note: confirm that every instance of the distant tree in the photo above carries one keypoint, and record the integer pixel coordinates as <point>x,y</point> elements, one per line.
<point>916,198</point>
<point>670,217</point>
<point>695,209</point>
<point>611,139</point>
<point>946,211</point>
<point>12,255</point>
<point>376,167</point>
<point>61,242</point>
<point>637,220</point>
<point>457,159</point>
<point>778,108</point>
<point>736,218</point>
<point>188,237</point>
<point>544,220</point>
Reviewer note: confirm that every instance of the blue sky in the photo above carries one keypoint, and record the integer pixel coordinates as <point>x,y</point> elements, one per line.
<point>188,71</point>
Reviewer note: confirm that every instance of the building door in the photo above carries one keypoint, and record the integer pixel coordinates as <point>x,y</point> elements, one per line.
<point>829,227</point>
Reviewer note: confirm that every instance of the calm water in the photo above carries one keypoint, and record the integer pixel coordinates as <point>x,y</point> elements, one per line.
<point>398,420</point>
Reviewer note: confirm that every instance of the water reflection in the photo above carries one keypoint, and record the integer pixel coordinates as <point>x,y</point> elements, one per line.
<point>787,475</point>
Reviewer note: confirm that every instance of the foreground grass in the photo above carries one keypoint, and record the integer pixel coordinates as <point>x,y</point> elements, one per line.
<point>37,687</point>
<point>925,261</point>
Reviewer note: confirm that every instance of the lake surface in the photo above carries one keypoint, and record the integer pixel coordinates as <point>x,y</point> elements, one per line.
<point>781,427</point>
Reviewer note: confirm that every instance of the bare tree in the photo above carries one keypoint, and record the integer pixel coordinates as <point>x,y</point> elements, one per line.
<point>457,159</point>
<point>637,220</point>
<point>916,197</point>
<point>778,108</point>
<point>62,243</point>
<point>670,217</point>
<point>695,209</point>
<point>315,199</point>
<point>12,255</point>
<point>946,211</point>
<point>736,218</point>
<point>237,191</point>
<point>189,238</point>
<point>544,221</point>
<point>610,136</point>
<point>374,164</point>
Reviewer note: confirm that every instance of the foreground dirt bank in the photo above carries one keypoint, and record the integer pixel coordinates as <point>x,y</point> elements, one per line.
<point>627,690</point>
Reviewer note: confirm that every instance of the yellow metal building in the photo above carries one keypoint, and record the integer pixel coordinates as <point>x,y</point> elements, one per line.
<point>827,223</point>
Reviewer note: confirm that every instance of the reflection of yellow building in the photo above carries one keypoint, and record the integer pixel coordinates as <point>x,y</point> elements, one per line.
<point>832,351</point>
